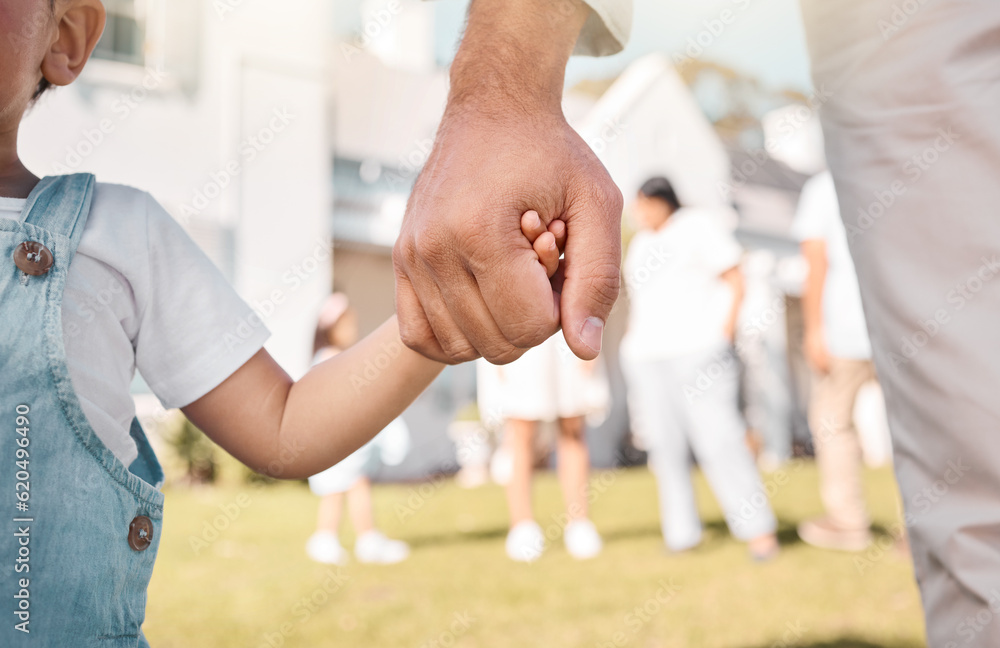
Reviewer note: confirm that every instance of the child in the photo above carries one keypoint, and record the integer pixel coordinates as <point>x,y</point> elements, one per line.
<point>350,479</point>
<point>81,477</point>
<point>546,386</point>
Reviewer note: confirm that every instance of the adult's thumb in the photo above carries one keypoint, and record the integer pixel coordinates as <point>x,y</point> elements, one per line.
<point>592,271</point>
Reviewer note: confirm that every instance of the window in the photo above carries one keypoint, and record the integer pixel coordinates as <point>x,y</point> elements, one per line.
<point>124,35</point>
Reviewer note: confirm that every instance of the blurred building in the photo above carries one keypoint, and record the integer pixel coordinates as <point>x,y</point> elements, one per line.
<point>277,133</point>
<point>220,111</point>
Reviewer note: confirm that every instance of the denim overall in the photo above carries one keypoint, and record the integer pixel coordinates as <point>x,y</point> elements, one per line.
<point>81,530</point>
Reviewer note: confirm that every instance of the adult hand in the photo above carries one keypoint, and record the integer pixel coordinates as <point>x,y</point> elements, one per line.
<point>467,280</point>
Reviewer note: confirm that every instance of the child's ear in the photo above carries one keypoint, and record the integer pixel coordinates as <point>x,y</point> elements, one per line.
<point>79,25</point>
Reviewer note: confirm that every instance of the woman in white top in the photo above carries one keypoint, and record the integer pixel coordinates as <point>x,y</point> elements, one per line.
<point>685,290</point>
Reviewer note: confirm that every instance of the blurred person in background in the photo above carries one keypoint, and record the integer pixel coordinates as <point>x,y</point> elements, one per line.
<point>350,480</point>
<point>839,353</point>
<point>547,385</point>
<point>685,290</point>
<point>762,346</point>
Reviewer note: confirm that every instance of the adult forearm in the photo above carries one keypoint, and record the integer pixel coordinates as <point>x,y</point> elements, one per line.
<point>812,289</point>
<point>468,283</point>
<point>812,300</point>
<point>513,55</point>
<point>737,287</point>
<point>734,313</point>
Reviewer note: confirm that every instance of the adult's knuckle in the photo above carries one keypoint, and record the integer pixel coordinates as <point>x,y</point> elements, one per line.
<point>504,355</point>
<point>498,349</point>
<point>527,338</point>
<point>438,253</point>
<point>453,342</point>
<point>458,350</point>
<point>404,254</point>
<point>606,199</point>
<point>530,332</point>
<point>467,356</point>
<point>411,336</point>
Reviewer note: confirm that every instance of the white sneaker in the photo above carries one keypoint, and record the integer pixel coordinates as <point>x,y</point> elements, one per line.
<point>582,540</point>
<point>525,542</point>
<point>324,547</point>
<point>373,547</point>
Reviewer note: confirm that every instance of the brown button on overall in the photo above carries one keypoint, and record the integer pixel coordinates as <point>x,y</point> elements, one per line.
<point>32,258</point>
<point>140,533</point>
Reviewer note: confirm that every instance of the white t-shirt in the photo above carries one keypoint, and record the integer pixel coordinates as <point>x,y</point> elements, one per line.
<point>140,294</point>
<point>678,302</point>
<point>818,217</point>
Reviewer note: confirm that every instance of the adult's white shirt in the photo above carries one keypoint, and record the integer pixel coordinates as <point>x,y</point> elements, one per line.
<point>679,303</point>
<point>818,218</point>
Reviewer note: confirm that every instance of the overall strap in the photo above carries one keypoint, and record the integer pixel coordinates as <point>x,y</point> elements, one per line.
<point>61,204</point>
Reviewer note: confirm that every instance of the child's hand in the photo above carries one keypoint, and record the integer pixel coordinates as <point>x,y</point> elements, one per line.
<point>548,243</point>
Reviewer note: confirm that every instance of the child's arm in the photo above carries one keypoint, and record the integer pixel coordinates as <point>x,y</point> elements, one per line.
<point>295,429</point>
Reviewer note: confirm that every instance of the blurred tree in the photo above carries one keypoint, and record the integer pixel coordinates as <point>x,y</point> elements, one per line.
<point>196,452</point>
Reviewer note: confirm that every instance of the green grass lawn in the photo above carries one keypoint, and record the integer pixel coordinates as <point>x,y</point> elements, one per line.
<point>253,586</point>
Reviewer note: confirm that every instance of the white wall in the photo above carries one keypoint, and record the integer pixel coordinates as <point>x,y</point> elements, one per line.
<point>217,74</point>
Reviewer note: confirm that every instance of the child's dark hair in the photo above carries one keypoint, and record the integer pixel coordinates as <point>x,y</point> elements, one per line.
<point>660,188</point>
<point>44,84</point>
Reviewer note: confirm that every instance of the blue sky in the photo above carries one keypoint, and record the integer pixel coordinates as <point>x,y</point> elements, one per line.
<point>764,38</point>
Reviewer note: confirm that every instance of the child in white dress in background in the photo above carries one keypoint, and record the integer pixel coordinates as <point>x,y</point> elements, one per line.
<point>548,385</point>
<point>350,479</point>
